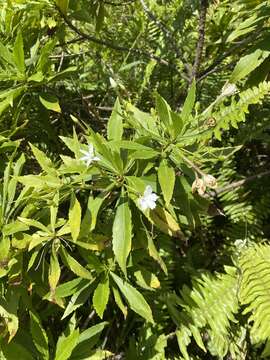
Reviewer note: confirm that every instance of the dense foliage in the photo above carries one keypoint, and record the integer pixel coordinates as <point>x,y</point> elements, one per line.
<point>134,193</point>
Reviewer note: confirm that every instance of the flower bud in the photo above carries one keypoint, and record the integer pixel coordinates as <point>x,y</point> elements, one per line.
<point>199,186</point>
<point>228,90</point>
<point>210,181</point>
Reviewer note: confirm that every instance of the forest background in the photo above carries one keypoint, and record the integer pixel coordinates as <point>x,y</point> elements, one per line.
<point>134,192</point>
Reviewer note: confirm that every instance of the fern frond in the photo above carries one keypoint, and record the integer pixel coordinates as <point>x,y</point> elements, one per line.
<point>209,306</point>
<point>235,113</point>
<point>255,290</point>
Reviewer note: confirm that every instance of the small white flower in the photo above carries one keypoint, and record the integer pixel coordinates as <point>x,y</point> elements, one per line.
<point>89,156</point>
<point>240,244</point>
<point>228,90</point>
<point>148,199</point>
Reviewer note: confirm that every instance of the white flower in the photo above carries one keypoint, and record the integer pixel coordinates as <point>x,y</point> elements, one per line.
<point>240,244</point>
<point>148,200</point>
<point>228,89</point>
<point>89,156</point>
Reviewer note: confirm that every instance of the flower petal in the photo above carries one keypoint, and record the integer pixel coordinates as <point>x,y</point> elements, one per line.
<point>148,190</point>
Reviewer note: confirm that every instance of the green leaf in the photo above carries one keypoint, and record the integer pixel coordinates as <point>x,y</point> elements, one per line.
<point>166,178</point>
<point>37,77</point>
<point>146,279</point>
<point>86,343</point>
<point>247,64</point>
<point>34,223</point>
<point>74,217</point>
<point>115,123</point>
<point>164,113</point>
<point>135,299</point>
<point>12,350</point>
<point>39,336</point>
<point>101,296</point>
<point>177,123</point>
<point>8,97</point>
<point>18,53</point>
<point>90,218</point>
<point>100,16</point>
<point>189,102</point>
<point>54,271</point>
<point>40,181</point>
<point>92,331</point>
<point>83,291</point>
<point>54,211</point>
<point>63,5</point>
<point>122,233</point>
<point>13,228</point>
<point>69,288</point>
<point>50,102</point>
<point>66,344</point>
<point>74,265</point>
<point>119,301</point>
<point>153,252</point>
<point>44,162</point>
<point>11,319</point>
<point>6,54</point>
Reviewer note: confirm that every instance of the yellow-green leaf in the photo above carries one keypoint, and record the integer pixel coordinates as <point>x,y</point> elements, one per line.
<point>115,123</point>
<point>74,217</point>
<point>54,271</point>
<point>166,178</point>
<point>63,5</point>
<point>50,102</point>
<point>101,296</point>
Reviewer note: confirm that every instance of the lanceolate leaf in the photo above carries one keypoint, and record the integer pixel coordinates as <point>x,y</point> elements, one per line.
<point>122,228</point>
<point>50,102</point>
<point>63,5</point>
<point>54,271</point>
<point>43,160</point>
<point>101,296</point>
<point>164,112</point>
<point>115,123</point>
<point>189,102</point>
<point>18,53</point>
<point>247,64</point>
<point>166,178</point>
<point>66,344</point>
<point>74,265</point>
<point>39,336</point>
<point>74,217</point>
<point>135,299</point>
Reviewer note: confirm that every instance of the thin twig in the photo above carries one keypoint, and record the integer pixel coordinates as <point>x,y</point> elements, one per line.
<point>119,3</point>
<point>200,43</point>
<point>237,184</point>
<point>213,67</point>
<point>113,46</point>
<point>88,319</point>
<point>192,165</point>
<point>61,61</point>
